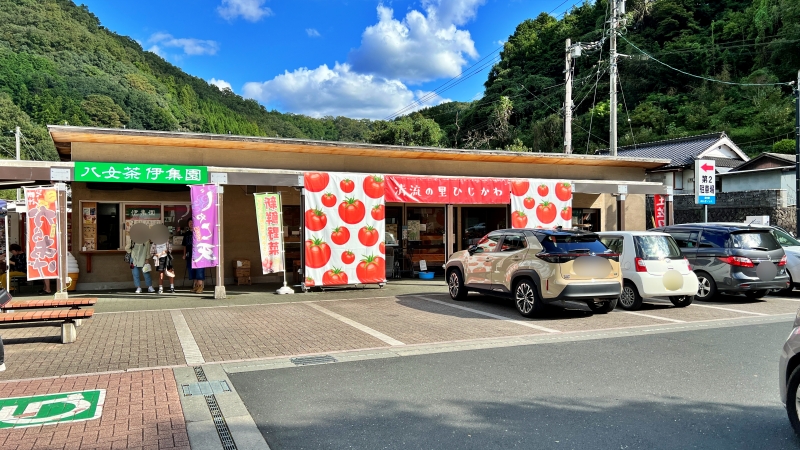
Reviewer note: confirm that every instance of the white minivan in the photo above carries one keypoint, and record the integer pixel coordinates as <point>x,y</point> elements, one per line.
<point>652,266</point>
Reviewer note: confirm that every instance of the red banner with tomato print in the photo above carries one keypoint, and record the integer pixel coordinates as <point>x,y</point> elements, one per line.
<point>344,229</point>
<point>451,191</point>
<point>541,203</point>
<point>42,226</point>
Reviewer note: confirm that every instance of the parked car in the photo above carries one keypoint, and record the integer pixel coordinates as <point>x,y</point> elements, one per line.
<point>792,248</point>
<point>538,267</point>
<point>731,258</point>
<point>652,266</point>
<point>789,375</point>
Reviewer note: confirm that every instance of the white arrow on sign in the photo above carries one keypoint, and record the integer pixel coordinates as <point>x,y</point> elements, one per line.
<point>28,417</point>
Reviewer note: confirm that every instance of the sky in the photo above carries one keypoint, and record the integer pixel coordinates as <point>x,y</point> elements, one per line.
<point>355,58</point>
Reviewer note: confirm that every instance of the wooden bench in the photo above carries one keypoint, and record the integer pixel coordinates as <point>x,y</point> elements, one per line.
<point>71,318</point>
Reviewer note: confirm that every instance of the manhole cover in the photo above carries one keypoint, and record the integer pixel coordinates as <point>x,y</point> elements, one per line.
<point>205,388</point>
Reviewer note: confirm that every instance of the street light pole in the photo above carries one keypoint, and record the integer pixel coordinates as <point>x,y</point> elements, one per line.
<point>568,99</point>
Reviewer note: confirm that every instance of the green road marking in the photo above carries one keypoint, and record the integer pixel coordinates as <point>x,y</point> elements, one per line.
<point>20,412</point>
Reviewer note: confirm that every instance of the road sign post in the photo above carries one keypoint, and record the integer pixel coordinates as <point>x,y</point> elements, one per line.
<point>705,184</point>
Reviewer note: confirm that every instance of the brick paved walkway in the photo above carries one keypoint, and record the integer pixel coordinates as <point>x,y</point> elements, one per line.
<point>142,411</point>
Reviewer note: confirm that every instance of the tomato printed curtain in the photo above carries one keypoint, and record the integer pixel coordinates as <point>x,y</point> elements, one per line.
<point>42,226</point>
<point>344,229</point>
<point>541,203</point>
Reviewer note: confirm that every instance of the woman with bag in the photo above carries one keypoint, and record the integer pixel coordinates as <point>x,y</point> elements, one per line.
<point>136,256</point>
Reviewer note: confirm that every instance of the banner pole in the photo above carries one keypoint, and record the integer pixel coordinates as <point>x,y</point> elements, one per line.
<point>61,233</point>
<point>8,267</point>
<point>219,289</point>
<point>284,289</point>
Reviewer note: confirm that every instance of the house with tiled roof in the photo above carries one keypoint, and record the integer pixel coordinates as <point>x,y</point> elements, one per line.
<point>765,171</point>
<point>683,153</point>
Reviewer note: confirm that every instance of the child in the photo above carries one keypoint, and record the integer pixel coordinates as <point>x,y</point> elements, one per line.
<point>162,259</point>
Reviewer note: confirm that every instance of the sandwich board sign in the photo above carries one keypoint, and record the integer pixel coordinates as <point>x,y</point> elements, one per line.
<point>705,182</point>
<point>50,409</point>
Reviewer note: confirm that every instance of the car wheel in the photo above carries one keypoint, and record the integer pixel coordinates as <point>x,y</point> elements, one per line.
<point>455,284</point>
<point>681,301</point>
<point>793,399</point>
<point>755,295</point>
<point>603,307</point>
<point>788,290</point>
<point>706,287</point>
<point>526,298</point>
<point>630,299</point>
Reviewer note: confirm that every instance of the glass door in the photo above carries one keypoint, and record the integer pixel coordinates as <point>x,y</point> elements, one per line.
<point>425,232</point>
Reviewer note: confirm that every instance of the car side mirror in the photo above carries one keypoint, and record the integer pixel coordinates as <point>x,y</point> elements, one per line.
<point>474,249</point>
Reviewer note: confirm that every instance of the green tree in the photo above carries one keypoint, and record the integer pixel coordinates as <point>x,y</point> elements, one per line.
<point>413,130</point>
<point>103,112</point>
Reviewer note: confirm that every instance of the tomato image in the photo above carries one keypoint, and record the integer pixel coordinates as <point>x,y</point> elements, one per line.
<point>519,219</point>
<point>542,190</point>
<point>348,257</point>
<point>352,211</point>
<point>328,199</point>
<point>315,181</point>
<point>373,186</point>
<point>340,235</point>
<point>309,282</point>
<point>371,269</point>
<point>315,219</point>
<point>566,213</point>
<point>378,212</point>
<point>529,203</point>
<point>546,212</point>
<point>519,187</point>
<point>564,191</point>
<point>347,185</point>
<point>318,253</point>
<point>334,276</point>
<point>368,236</point>
<point>382,247</point>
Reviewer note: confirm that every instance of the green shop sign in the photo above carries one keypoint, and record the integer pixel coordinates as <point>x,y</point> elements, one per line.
<point>93,172</point>
<point>50,409</point>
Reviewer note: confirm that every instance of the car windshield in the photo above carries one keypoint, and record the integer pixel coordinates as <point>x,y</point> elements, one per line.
<point>784,238</point>
<point>657,247</point>
<point>755,240</point>
<point>573,244</point>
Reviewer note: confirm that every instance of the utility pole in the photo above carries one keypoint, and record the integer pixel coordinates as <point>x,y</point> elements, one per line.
<point>17,135</point>
<point>797,155</point>
<point>613,71</point>
<point>568,99</point>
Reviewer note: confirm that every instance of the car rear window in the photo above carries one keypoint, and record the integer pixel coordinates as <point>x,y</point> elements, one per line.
<point>573,244</point>
<point>657,247</point>
<point>755,240</point>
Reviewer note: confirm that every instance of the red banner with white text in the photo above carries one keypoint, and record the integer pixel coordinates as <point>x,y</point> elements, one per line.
<point>452,191</point>
<point>660,203</point>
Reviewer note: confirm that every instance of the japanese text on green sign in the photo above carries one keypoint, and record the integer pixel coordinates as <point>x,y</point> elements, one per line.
<point>50,409</point>
<point>92,172</point>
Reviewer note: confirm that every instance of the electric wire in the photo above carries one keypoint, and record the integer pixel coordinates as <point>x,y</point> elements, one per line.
<point>33,150</point>
<point>627,113</point>
<point>558,113</point>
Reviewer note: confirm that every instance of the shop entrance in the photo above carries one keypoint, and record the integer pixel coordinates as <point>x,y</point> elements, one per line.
<point>474,222</point>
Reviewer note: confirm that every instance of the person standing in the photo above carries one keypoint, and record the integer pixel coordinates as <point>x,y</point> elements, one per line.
<point>139,252</point>
<point>198,276</point>
<point>17,265</point>
<point>162,259</point>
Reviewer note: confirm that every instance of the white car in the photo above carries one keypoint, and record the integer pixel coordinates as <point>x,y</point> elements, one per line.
<point>652,266</point>
<point>792,248</point>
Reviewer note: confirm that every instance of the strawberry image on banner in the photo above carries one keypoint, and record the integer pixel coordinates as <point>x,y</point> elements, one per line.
<point>344,229</point>
<point>543,204</point>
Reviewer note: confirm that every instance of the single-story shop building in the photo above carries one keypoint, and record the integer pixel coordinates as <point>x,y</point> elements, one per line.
<point>608,193</point>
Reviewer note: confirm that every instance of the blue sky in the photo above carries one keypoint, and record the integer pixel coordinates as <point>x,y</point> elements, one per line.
<point>357,58</point>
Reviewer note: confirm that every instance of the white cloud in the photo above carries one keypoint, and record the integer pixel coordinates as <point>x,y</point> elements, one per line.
<point>250,10</point>
<point>420,47</point>
<point>190,46</point>
<point>312,32</point>
<point>221,84</point>
<point>336,92</point>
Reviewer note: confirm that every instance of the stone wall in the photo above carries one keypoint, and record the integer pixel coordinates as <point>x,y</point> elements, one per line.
<point>734,207</point>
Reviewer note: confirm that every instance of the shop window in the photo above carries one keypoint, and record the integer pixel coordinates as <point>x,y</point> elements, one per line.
<point>292,241</point>
<point>148,214</point>
<point>176,219</point>
<point>586,219</point>
<point>394,221</point>
<point>105,220</point>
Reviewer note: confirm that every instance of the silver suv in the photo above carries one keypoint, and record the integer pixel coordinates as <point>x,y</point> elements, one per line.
<point>537,267</point>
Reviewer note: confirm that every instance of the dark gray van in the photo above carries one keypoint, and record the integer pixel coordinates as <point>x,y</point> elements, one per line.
<point>731,258</point>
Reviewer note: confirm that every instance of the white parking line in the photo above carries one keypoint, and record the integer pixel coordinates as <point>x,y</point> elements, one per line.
<point>494,316</point>
<point>730,309</point>
<point>654,317</point>
<point>374,333</point>
<point>191,351</point>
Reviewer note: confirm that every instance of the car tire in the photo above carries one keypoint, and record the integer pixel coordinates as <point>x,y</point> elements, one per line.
<point>792,399</point>
<point>706,287</point>
<point>681,301</point>
<point>756,295</point>
<point>788,290</point>
<point>455,284</point>
<point>629,299</point>
<point>603,307</point>
<point>527,299</point>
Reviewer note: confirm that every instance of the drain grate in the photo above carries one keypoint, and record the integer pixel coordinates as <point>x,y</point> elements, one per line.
<point>216,414</point>
<point>309,360</point>
<point>205,388</point>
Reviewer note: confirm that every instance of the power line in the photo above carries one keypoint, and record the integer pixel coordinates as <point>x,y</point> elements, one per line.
<point>698,76</point>
<point>627,114</point>
<point>716,47</point>
<point>557,112</point>
<point>33,150</point>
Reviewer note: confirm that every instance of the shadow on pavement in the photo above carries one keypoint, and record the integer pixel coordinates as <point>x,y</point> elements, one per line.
<point>496,305</point>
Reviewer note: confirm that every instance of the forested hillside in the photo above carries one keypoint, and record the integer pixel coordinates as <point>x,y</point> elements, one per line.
<point>58,64</point>
<point>744,41</point>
